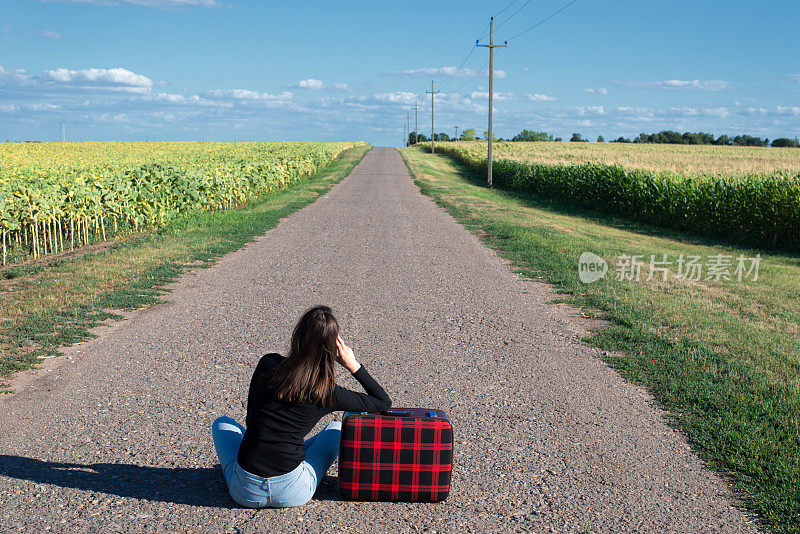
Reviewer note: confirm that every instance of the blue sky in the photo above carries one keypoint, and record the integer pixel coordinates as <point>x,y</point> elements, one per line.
<point>240,70</point>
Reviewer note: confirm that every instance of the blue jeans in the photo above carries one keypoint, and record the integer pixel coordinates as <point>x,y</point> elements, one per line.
<point>292,489</point>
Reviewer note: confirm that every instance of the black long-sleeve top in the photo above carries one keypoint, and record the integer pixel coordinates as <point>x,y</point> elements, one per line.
<point>273,442</point>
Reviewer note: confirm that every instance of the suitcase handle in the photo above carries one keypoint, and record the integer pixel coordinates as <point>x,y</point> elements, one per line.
<point>401,413</point>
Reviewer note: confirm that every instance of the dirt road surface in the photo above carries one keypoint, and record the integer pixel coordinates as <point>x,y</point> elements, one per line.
<point>115,434</point>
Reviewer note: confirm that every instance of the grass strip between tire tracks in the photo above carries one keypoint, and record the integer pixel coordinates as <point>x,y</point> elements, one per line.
<point>722,357</point>
<point>55,302</point>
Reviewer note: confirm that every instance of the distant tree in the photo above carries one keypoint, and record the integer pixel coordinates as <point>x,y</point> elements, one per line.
<point>621,139</point>
<point>699,138</point>
<point>557,140</point>
<point>441,137</point>
<point>748,140</point>
<point>528,135</point>
<point>486,135</point>
<point>786,142</point>
<point>468,134</point>
<point>576,138</point>
<point>723,140</point>
<point>412,138</point>
<point>600,139</point>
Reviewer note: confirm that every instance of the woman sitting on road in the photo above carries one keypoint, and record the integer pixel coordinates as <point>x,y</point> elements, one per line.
<point>269,464</point>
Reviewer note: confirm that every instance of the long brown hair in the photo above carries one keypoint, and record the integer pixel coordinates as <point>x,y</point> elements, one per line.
<point>307,375</point>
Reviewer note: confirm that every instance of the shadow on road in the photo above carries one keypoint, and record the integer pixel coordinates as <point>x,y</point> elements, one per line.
<point>328,489</point>
<point>197,486</point>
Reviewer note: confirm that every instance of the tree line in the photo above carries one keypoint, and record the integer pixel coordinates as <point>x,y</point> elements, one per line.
<point>663,137</point>
<point>702,138</point>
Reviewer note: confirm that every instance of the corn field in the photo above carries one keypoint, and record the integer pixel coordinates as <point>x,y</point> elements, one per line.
<point>59,196</point>
<point>705,160</point>
<point>761,209</point>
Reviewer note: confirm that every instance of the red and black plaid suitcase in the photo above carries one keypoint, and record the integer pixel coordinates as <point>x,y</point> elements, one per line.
<point>403,454</point>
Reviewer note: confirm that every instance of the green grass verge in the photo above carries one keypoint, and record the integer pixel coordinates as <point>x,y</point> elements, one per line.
<point>723,358</point>
<point>55,303</point>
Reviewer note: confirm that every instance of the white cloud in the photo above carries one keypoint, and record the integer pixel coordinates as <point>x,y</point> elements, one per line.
<point>246,94</point>
<point>703,85</point>
<point>588,110</point>
<point>15,77</point>
<point>43,107</point>
<point>316,85</point>
<point>311,83</point>
<point>794,111</point>
<point>192,100</point>
<point>674,112</point>
<point>118,79</point>
<point>170,97</point>
<point>794,77</point>
<point>167,4</point>
<point>447,71</point>
<point>536,97</point>
<point>500,97</point>
<point>684,111</point>
<point>687,111</point>
<point>47,34</point>
<point>8,107</point>
<point>399,97</point>
<point>598,91</point>
<point>716,112</point>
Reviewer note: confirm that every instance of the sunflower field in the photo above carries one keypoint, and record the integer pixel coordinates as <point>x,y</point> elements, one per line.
<point>58,196</point>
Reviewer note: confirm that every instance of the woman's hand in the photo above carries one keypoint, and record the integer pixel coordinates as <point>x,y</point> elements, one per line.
<point>346,357</point>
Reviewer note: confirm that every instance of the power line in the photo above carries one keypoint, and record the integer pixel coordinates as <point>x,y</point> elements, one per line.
<point>505,8</point>
<point>484,33</point>
<point>471,50</point>
<point>477,72</point>
<point>514,13</point>
<point>543,20</point>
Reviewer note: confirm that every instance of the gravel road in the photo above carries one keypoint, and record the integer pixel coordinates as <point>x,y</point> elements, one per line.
<point>115,434</point>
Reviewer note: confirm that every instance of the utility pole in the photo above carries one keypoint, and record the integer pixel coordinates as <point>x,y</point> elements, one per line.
<point>491,46</point>
<point>408,127</point>
<point>416,126</point>
<point>456,137</point>
<point>63,132</point>
<point>432,92</point>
